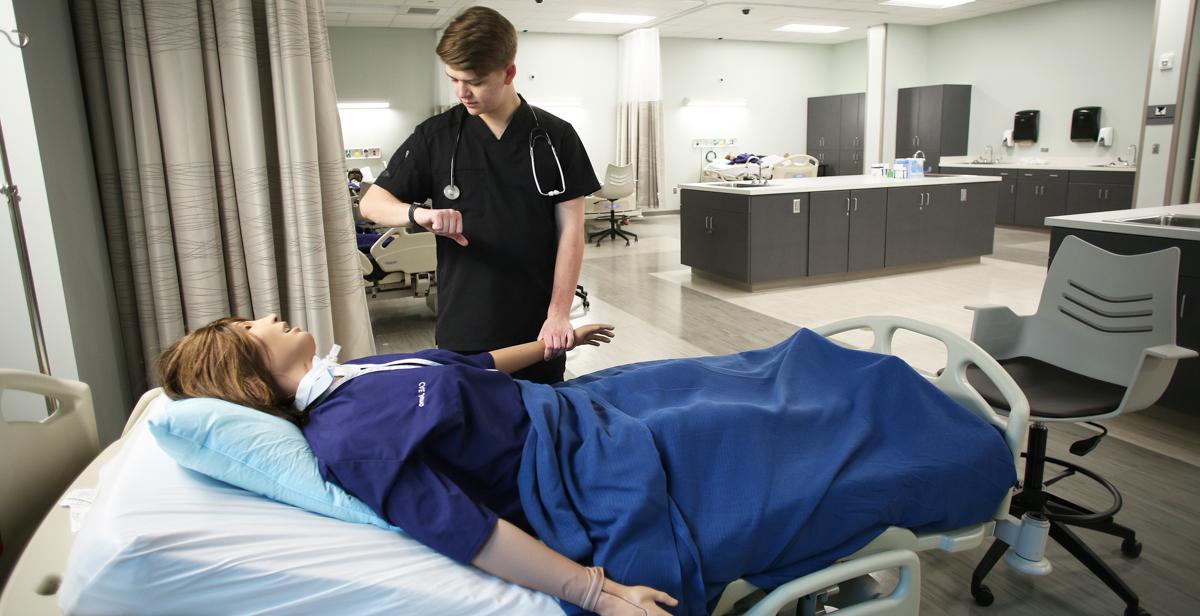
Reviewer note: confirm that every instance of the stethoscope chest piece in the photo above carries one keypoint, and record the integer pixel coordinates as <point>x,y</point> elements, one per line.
<point>451,192</point>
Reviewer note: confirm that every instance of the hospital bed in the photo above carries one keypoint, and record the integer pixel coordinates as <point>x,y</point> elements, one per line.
<point>399,259</point>
<point>195,539</point>
<point>773,167</point>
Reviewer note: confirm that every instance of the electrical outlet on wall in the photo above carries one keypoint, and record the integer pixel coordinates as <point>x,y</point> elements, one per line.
<point>1045,149</point>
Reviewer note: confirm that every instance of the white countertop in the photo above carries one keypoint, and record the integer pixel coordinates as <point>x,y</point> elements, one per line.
<point>1109,221</point>
<point>837,182</point>
<point>1049,166</point>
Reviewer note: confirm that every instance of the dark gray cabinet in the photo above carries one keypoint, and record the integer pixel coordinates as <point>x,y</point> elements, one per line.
<point>1006,197</point>
<point>835,132</point>
<point>932,223</point>
<point>745,239</point>
<point>1039,194</point>
<point>1099,191</point>
<point>933,119</point>
<point>846,231</point>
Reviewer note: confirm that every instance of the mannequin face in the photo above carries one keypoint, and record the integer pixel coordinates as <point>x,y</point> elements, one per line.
<point>483,94</point>
<point>287,351</point>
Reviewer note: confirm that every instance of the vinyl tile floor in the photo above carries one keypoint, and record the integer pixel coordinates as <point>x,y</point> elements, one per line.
<point>662,310</point>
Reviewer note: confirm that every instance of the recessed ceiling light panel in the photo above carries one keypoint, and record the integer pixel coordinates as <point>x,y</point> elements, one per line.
<point>611,18</point>
<point>810,29</point>
<point>926,4</point>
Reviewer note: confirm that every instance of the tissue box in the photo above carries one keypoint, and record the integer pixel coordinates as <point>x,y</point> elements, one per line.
<point>913,167</point>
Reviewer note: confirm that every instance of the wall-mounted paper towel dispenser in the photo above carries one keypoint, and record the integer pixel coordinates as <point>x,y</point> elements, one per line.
<point>1025,125</point>
<point>1085,124</point>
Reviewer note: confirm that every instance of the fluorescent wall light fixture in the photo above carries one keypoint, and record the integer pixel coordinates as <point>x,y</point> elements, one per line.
<point>714,102</point>
<point>363,104</point>
<point>927,4</point>
<point>810,29</point>
<point>611,18</point>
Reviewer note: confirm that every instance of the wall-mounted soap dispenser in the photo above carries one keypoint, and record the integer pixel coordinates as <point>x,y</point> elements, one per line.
<point>1085,124</point>
<point>1106,137</point>
<point>1025,125</point>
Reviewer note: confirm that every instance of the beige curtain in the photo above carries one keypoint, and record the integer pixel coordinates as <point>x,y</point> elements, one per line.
<point>220,163</point>
<point>640,142</point>
<point>639,113</point>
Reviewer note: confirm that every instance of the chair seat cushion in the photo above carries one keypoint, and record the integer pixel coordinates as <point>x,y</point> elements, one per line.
<point>1053,393</point>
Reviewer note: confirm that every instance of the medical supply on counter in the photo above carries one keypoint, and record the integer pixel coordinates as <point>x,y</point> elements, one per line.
<point>877,170</point>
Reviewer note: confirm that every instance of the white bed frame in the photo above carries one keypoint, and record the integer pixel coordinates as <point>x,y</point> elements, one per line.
<point>34,581</point>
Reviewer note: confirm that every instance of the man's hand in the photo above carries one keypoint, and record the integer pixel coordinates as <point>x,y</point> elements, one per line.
<point>620,600</point>
<point>443,222</point>
<point>558,337</point>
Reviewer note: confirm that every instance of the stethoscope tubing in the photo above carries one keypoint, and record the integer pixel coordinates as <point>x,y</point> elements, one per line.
<point>452,191</point>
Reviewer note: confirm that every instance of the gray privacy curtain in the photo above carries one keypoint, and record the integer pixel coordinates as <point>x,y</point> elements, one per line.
<point>220,164</point>
<point>639,113</point>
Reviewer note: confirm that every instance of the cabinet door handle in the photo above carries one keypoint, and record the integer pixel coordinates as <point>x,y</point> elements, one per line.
<point>1182,305</point>
<point>1012,188</point>
<point>856,204</point>
<point>847,206</point>
<point>1105,193</point>
<point>1099,193</point>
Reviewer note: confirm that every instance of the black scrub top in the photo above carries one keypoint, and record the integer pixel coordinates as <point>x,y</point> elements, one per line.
<point>493,292</point>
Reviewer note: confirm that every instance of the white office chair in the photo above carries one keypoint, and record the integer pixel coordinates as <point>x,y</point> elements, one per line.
<point>1102,343</point>
<point>618,184</point>
<point>40,459</point>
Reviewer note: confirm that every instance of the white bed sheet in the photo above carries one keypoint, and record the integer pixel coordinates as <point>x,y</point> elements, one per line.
<point>162,539</point>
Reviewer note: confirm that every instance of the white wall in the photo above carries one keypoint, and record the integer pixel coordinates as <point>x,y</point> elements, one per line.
<point>1053,57</point>
<point>391,64</point>
<point>46,132</point>
<point>907,64</point>
<point>776,80</point>
<point>849,71</point>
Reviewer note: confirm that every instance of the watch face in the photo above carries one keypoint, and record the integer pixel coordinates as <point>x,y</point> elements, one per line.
<point>451,191</point>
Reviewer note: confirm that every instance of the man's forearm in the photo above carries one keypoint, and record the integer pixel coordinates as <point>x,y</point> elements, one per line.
<point>568,260</point>
<point>383,208</point>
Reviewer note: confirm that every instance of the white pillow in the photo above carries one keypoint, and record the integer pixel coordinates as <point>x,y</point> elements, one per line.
<point>165,540</point>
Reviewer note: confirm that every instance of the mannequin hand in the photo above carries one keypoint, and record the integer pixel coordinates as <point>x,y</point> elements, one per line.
<point>593,334</point>
<point>620,600</point>
<point>558,337</point>
<point>443,222</point>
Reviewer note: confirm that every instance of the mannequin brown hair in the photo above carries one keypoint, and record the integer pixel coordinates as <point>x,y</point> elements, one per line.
<point>222,360</point>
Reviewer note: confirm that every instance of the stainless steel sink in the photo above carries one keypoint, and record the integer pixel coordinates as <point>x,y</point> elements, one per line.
<point>1170,220</point>
<point>1117,165</point>
<point>742,184</point>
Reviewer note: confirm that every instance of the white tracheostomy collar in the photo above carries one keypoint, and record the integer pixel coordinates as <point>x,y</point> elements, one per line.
<point>317,380</point>
<point>327,375</point>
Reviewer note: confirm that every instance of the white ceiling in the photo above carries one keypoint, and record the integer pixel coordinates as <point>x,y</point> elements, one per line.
<point>679,18</point>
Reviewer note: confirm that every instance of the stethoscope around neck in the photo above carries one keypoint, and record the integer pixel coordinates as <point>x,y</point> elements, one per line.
<point>536,134</point>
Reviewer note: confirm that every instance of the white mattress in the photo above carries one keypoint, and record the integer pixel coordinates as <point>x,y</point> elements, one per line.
<point>162,539</point>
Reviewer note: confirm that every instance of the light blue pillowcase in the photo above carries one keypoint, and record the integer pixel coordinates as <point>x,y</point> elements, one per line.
<point>254,451</point>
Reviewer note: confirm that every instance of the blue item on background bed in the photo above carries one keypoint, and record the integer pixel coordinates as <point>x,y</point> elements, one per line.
<point>685,475</point>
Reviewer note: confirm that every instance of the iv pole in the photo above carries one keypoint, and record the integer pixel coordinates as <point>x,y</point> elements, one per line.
<point>9,191</point>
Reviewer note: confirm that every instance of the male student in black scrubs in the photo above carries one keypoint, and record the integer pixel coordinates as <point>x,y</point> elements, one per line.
<point>507,182</point>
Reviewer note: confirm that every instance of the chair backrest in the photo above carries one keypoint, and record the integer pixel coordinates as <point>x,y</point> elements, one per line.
<point>1100,310</point>
<point>618,183</point>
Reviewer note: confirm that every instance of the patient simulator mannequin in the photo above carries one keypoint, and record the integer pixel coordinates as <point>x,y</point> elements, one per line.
<point>266,364</point>
<point>681,474</point>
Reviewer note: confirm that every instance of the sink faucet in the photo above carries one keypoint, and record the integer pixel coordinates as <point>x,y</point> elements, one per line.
<point>1132,160</point>
<point>758,178</point>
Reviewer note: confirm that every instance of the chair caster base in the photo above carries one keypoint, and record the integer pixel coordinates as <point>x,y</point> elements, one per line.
<point>1131,548</point>
<point>1134,610</point>
<point>983,595</point>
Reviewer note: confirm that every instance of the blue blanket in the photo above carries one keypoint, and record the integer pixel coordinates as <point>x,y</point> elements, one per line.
<point>687,474</point>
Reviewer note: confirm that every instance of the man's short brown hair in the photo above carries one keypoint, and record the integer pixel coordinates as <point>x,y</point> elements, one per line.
<point>479,40</point>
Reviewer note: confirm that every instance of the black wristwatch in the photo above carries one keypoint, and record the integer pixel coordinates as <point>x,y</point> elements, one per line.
<point>412,220</point>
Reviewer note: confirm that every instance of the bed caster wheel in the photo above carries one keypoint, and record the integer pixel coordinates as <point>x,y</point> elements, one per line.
<point>1131,548</point>
<point>983,595</point>
<point>1136,611</point>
